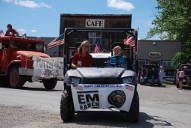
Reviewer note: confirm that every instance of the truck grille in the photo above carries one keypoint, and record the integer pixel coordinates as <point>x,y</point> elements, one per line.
<point>102,81</point>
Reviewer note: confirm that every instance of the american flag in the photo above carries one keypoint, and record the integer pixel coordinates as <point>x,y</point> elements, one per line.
<point>56,42</point>
<point>97,47</point>
<point>129,41</point>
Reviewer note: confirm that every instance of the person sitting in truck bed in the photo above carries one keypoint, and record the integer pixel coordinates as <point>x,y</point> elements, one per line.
<point>117,60</point>
<point>11,32</point>
<point>82,58</point>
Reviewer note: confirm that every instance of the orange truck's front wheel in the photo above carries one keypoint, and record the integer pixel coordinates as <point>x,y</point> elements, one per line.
<point>16,80</point>
<point>50,83</point>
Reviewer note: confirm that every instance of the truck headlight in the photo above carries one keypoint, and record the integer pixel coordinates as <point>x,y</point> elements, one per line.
<point>19,57</point>
<point>75,80</point>
<point>117,98</point>
<point>128,80</point>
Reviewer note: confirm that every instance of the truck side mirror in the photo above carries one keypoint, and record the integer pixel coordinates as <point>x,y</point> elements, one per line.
<point>1,46</point>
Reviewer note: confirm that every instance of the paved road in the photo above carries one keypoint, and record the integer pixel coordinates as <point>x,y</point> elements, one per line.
<point>35,107</point>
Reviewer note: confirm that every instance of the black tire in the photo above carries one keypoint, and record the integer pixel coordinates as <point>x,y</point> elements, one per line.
<point>133,114</point>
<point>15,80</point>
<point>66,107</point>
<point>189,83</point>
<point>50,83</point>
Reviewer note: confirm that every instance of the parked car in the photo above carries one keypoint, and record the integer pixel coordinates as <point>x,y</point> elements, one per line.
<point>170,76</point>
<point>187,75</point>
<point>149,74</point>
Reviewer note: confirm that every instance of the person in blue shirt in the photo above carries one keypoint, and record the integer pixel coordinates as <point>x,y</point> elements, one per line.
<point>117,60</point>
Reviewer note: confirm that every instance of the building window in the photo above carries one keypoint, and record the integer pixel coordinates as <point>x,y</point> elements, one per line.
<point>168,64</point>
<point>94,37</point>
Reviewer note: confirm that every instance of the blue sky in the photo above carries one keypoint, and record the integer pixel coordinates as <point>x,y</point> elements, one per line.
<point>42,17</point>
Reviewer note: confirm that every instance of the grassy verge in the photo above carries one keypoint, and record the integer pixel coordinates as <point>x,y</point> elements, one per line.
<point>185,86</point>
<point>167,84</point>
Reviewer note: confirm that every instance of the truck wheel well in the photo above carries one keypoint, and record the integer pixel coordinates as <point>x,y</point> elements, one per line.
<point>12,65</point>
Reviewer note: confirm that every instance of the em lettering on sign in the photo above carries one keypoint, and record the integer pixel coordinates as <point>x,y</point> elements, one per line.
<point>94,23</point>
<point>88,100</point>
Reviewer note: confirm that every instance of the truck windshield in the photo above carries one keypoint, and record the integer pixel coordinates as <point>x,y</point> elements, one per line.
<point>101,44</point>
<point>27,46</point>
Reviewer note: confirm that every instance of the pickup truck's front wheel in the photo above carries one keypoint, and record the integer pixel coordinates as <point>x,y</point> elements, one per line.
<point>50,83</point>
<point>66,107</point>
<point>15,80</point>
<point>133,114</point>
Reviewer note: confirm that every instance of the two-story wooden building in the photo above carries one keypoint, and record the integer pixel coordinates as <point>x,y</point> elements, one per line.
<point>93,21</point>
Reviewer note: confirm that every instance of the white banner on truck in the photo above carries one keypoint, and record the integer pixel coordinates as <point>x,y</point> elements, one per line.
<point>90,97</point>
<point>47,68</point>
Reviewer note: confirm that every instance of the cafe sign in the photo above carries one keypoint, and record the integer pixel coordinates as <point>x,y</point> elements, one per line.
<point>94,23</point>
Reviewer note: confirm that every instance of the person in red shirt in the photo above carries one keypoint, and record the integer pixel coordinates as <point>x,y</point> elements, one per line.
<point>82,58</point>
<point>10,31</point>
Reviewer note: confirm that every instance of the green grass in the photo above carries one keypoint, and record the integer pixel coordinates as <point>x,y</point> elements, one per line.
<point>167,84</point>
<point>185,85</point>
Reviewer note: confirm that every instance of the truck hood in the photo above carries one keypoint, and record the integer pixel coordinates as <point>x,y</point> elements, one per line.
<point>98,75</point>
<point>100,72</point>
<point>32,53</point>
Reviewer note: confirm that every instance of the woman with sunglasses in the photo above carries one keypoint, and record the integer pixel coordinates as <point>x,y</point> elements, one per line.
<point>82,58</point>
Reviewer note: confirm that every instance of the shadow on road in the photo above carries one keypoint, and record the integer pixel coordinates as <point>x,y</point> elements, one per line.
<point>28,88</point>
<point>151,85</point>
<point>113,119</point>
<point>187,87</point>
<point>38,89</point>
<point>2,85</point>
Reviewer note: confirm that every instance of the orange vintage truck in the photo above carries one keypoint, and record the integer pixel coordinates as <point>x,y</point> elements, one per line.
<point>23,59</point>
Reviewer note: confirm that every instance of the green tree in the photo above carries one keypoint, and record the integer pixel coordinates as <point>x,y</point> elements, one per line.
<point>177,59</point>
<point>173,22</point>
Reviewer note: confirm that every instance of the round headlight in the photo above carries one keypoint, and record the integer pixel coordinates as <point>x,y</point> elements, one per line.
<point>117,98</point>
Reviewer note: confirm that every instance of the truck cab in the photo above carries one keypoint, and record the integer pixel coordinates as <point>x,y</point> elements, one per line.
<point>16,60</point>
